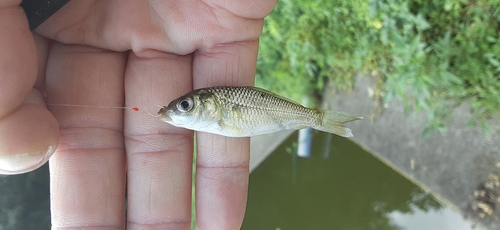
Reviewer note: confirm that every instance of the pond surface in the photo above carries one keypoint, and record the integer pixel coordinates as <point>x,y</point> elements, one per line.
<point>340,186</point>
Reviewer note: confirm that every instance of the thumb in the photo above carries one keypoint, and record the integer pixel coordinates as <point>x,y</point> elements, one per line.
<point>28,131</point>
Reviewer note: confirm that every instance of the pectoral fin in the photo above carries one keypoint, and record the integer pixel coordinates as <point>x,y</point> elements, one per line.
<point>230,131</point>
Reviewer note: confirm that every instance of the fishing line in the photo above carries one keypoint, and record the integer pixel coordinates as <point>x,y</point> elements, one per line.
<point>135,109</point>
<point>93,106</point>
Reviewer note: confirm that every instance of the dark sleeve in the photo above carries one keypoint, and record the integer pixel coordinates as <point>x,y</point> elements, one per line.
<point>38,11</point>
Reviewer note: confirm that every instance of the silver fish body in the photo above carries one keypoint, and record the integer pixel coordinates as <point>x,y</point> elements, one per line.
<point>248,111</point>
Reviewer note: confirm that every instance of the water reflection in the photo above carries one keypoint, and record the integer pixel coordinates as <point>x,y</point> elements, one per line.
<point>345,188</point>
<point>417,219</point>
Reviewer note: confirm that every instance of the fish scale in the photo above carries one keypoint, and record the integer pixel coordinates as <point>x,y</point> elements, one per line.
<point>248,111</point>
<point>265,109</point>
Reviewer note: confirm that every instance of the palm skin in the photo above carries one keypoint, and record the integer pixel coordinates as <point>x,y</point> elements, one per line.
<point>137,54</point>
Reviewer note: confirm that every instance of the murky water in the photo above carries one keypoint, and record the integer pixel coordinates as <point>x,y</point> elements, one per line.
<point>340,186</point>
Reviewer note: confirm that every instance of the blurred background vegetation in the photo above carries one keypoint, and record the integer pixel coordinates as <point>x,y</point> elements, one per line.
<point>434,55</point>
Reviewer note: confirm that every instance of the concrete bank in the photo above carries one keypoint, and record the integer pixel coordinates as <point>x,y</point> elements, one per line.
<point>460,168</point>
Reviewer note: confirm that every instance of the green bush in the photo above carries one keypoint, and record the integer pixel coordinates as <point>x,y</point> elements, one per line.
<point>432,54</point>
<point>304,43</point>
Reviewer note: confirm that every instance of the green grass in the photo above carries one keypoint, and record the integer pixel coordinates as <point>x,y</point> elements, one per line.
<point>193,185</point>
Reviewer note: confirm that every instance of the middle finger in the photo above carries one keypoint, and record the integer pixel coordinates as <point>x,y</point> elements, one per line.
<point>159,155</point>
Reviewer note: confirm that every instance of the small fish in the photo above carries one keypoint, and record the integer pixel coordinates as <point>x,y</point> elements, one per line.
<point>248,111</point>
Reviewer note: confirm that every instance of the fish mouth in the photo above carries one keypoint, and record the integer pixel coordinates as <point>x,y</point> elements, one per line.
<point>163,115</point>
<point>165,118</point>
<point>163,110</point>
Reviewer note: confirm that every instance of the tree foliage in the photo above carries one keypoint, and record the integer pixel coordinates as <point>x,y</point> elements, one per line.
<point>433,55</point>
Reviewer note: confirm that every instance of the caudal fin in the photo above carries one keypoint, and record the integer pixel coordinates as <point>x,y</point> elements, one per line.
<point>333,123</point>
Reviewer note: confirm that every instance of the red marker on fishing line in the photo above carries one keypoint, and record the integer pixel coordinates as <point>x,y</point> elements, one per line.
<point>144,111</point>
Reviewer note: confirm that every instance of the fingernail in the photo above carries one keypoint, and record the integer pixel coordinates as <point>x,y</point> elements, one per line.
<point>24,162</point>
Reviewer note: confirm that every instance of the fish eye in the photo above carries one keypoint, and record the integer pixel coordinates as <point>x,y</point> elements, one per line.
<point>185,104</point>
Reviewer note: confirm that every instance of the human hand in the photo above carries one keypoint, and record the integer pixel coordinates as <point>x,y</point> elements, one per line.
<point>83,58</point>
